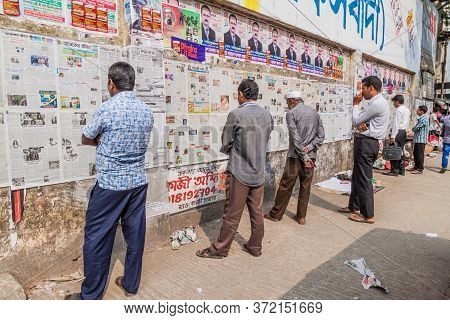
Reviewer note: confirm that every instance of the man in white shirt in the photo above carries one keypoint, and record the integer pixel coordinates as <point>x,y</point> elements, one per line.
<point>398,135</point>
<point>372,126</point>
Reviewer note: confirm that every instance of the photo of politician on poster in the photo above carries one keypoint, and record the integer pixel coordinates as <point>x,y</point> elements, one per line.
<point>211,26</point>
<point>235,27</point>
<point>257,41</point>
<point>277,44</point>
<point>180,23</point>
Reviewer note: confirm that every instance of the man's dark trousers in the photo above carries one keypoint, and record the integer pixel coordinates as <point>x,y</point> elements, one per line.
<point>398,166</point>
<point>365,152</point>
<point>419,156</point>
<point>105,209</point>
<point>293,170</point>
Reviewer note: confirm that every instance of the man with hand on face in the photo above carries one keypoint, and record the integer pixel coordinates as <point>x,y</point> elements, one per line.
<point>254,43</point>
<point>208,34</point>
<point>306,135</point>
<point>230,38</point>
<point>244,138</point>
<point>120,130</point>
<point>274,49</point>
<point>372,126</point>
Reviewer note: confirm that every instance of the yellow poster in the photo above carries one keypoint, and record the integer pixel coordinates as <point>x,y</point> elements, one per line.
<point>252,4</point>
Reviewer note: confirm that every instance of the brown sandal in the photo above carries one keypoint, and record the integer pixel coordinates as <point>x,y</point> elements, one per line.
<point>347,210</point>
<point>206,253</point>
<point>359,218</point>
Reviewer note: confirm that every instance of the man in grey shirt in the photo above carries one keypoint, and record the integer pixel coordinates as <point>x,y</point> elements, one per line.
<point>306,135</point>
<point>245,137</point>
<point>372,126</point>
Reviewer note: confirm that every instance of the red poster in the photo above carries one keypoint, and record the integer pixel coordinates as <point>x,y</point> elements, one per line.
<point>11,7</point>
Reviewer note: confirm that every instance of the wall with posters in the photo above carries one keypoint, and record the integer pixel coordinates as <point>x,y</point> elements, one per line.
<point>41,121</point>
<point>389,30</point>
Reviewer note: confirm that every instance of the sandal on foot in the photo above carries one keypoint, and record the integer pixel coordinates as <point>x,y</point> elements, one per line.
<point>119,283</point>
<point>206,253</point>
<point>269,217</point>
<point>359,218</point>
<point>347,210</point>
<point>416,172</point>
<point>253,253</point>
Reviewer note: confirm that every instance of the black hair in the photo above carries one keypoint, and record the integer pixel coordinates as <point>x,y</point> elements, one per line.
<point>255,24</point>
<point>232,16</point>
<point>122,75</point>
<point>424,109</point>
<point>249,89</point>
<point>399,98</point>
<point>306,41</point>
<point>373,81</point>
<point>205,7</point>
<point>275,30</point>
<point>292,36</point>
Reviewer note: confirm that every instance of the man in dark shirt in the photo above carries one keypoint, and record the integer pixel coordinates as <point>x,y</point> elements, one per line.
<point>208,34</point>
<point>319,61</point>
<point>244,138</point>
<point>254,43</point>
<point>306,58</point>
<point>306,135</point>
<point>274,49</point>
<point>290,52</point>
<point>230,38</point>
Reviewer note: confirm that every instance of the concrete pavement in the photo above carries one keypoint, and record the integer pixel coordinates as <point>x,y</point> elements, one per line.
<point>306,262</point>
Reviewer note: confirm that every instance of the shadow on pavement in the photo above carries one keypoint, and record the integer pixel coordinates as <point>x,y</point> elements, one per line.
<point>411,265</point>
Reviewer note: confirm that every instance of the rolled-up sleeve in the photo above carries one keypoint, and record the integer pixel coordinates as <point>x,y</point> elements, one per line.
<point>96,126</point>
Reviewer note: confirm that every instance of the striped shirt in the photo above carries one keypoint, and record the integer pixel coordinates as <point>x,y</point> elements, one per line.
<point>421,129</point>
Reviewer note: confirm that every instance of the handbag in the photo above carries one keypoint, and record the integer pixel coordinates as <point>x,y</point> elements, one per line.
<point>392,152</point>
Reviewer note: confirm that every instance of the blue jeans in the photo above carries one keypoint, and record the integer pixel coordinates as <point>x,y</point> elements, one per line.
<point>445,154</point>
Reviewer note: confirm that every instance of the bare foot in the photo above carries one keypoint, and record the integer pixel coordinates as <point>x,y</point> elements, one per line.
<point>302,221</point>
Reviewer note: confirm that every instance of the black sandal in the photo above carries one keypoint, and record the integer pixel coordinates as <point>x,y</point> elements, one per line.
<point>206,253</point>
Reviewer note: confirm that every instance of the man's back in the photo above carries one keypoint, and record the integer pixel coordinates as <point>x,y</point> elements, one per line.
<point>125,124</point>
<point>308,126</point>
<point>251,126</point>
<point>446,129</point>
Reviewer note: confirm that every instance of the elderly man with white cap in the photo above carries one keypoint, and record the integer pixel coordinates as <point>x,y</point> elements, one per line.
<point>306,135</point>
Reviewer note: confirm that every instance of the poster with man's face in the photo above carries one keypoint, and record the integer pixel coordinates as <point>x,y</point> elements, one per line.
<point>257,39</point>
<point>235,30</point>
<point>211,25</point>
<point>308,56</point>
<point>181,23</point>
<point>277,42</point>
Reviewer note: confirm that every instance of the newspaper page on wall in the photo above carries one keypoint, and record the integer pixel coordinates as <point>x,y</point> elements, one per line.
<point>108,55</point>
<point>78,160</point>
<point>4,178</point>
<point>197,185</point>
<point>27,59</point>
<point>34,153</point>
<point>79,76</point>
<point>148,64</point>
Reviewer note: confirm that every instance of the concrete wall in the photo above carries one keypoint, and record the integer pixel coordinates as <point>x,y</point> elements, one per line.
<point>51,231</point>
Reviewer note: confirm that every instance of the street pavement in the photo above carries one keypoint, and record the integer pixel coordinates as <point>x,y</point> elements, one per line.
<point>307,262</point>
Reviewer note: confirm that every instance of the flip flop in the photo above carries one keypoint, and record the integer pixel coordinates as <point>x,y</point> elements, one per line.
<point>347,210</point>
<point>361,219</point>
<point>416,172</point>
<point>206,253</point>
